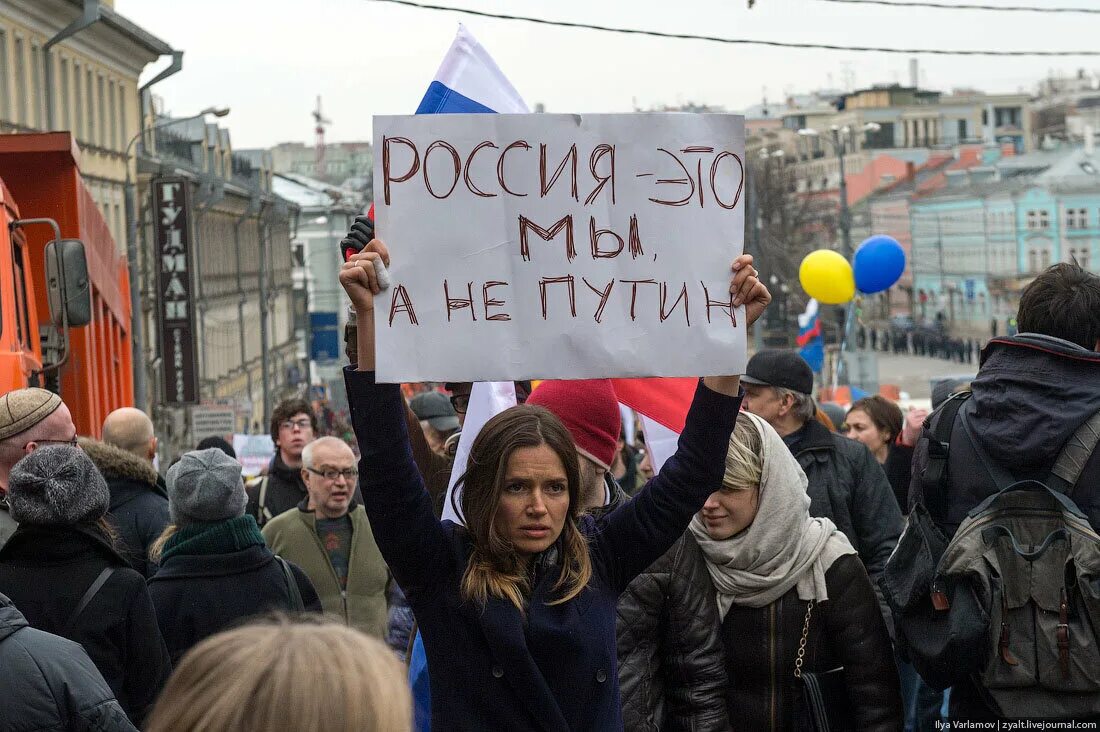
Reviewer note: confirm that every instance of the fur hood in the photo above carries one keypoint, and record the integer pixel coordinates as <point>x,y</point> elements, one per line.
<point>115,463</point>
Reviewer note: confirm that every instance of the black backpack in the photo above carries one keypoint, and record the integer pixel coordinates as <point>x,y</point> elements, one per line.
<point>1012,600</point>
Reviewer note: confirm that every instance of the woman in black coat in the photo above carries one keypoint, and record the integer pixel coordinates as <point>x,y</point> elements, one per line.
<point>61,569</point>
<point>517,607</point>
<point>780,581</point>
<point>215,568</point>
<point>876,422</point>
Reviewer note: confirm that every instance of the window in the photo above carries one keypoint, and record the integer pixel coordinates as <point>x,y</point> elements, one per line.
<point>5,95</point>
<point>1077,218</point>
<point>89,107</point>
<point>1033,219</point>
<point>102,133</point>
<point>20,83</point>
<point>63,106</point>
<point>38,93</point>
<point>78,104</point>
<point>112,114</point>
<point>1044,220</point>
<point>1083,258</point>
<point>22,318</point>
<point>122,140</point>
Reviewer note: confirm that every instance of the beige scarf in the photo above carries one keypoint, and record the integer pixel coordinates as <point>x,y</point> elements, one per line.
<point>783,547</point>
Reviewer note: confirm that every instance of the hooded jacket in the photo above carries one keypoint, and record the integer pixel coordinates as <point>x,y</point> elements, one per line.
<point>139,503</point>
<point>1031,394</point>
<point>45,570</point>
<point>362,604</point>
<point>50,684</point>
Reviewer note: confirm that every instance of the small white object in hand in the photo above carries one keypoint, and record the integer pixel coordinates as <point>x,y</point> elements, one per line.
<point>382,274</point>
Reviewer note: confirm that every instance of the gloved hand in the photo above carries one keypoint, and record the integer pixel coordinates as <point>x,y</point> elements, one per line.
<point>360,235</point>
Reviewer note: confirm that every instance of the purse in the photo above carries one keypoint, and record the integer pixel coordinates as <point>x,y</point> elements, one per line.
<point>823,705</point>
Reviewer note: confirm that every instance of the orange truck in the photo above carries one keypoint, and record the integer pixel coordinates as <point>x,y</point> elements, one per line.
<point>64,286</point>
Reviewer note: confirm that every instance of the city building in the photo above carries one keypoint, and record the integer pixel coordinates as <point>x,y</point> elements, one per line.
<point>82,78</point>
<point>341,161</point>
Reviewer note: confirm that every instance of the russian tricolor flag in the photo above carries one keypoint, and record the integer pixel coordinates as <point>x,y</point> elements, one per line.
<point>469,81</point>
<point>811,346</point>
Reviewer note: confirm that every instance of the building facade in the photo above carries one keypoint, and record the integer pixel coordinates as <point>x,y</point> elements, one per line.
<point>86,82</point>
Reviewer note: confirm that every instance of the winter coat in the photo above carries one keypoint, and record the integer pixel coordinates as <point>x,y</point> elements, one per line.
<point>7,523</point>
<point>139,502</point>
<point>293,536</point>
<point>284,490</point>
<point>1031,394</point>
<point>552,667</point>
<point>46,570</point>
<point>847,630</point>
<point>899,471</point>
<point>848,486</point>
<point>672,667</point>
<point>50,684</point>
<point>196,596</point>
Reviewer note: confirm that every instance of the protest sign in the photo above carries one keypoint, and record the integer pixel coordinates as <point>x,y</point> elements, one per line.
<point>559,246</point>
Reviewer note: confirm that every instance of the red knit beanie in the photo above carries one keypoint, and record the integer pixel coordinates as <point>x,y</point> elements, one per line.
<point>589,409</point>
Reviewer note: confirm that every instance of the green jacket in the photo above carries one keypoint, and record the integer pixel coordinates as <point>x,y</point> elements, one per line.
<point>293,536</point>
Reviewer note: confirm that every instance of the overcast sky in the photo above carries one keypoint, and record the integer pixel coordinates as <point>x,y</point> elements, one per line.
<point>269,60</point>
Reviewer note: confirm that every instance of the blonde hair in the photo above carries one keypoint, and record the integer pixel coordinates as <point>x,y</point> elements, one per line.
<point>744,459</point>
<point>156,549</point>
<point>282,675</point>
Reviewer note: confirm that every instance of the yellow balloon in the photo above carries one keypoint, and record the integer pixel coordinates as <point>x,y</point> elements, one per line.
<point>827,276</point>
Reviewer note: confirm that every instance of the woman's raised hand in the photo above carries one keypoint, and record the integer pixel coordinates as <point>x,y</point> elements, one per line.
<point>747,289</point>
<point>359,276</point>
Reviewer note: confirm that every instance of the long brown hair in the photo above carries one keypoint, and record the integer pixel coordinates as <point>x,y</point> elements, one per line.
<point>494,569</point>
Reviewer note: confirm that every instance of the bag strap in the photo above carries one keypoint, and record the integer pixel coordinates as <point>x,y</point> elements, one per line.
<point>298,605</point>
<point>934,480</point>
<point>798,659</point>
<point>92,591</point>
<point>261,502</point>
<point>1001,476</point>
<point>1076,452</point>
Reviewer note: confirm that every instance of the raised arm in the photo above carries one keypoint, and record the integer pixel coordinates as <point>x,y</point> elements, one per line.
<point>632,537</point>
<point>396,501</point>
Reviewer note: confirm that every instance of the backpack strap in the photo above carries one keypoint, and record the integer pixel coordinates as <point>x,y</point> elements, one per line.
<point>92,591</point>
<point>262,514</point>
<point>934,480</point>
<point>1077,451</point>
<point>296,602</point>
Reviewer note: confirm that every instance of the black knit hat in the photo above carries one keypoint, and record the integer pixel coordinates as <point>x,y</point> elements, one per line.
<point>57,485</point>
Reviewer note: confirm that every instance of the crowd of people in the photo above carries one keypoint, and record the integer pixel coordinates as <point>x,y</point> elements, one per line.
<point>757,580</point>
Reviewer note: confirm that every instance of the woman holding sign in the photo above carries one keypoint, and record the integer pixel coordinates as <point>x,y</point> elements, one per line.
<point>517,608</point>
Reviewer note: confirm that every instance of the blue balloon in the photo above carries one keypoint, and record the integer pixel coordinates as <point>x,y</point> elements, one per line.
<point>878,264</point>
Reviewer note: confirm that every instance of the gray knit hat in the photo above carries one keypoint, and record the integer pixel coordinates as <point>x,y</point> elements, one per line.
<point>57,485</point>
<point>205,485</point>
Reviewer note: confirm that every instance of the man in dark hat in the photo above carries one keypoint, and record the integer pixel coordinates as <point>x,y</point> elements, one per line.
<point>846,483</point>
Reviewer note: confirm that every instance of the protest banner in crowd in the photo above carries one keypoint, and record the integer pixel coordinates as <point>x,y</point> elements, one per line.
<point>559,246</point>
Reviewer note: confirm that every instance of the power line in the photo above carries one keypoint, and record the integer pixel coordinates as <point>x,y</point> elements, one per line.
<point>965,6</point>
<point>734,41</point>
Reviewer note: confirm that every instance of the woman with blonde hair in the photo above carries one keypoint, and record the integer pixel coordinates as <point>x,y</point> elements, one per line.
<point>517,608</point>
<point>279,675</point>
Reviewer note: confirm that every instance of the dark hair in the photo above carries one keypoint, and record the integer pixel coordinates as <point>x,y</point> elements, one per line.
<point>884,414</point>
<point>494,569</point>
<point>218,442</point>
<point>1063,302</point>
<point>287,409</point>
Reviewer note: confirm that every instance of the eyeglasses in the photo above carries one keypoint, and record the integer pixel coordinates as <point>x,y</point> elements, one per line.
<point>289,424</point>
<point>72,442</point>
<point>460,402</point>
<point>350,475</point>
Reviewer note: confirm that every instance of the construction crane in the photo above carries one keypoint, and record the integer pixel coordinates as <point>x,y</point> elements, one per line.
<point>319,153</point>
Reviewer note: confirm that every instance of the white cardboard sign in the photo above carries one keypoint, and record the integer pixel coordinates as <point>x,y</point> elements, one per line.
<point>559,246</point>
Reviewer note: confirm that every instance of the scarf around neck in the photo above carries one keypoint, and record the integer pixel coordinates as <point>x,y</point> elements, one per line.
<point>221,537</point>
<point>783,547</point>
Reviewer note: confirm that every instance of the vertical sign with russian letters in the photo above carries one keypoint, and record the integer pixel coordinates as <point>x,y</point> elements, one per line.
<point>175,311</point>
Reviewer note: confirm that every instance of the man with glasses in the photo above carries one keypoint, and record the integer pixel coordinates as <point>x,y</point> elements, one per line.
<point>329,537</point>
<point>29,419</point>
<point>293,426</point>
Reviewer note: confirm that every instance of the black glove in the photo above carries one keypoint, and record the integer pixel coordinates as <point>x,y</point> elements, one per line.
<point>360,235</point>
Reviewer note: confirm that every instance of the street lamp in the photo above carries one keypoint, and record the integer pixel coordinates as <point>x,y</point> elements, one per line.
<point>137,343</point>
<point>839,141</point>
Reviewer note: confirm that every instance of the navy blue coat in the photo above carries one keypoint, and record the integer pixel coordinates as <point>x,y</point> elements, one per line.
<point>553,668</point>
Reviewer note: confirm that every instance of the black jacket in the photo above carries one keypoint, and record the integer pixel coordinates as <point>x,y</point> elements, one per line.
<point>848,486</point>
<point>139,502</point>
<point>899,471</point>
<point>847,630</point>
<point>672,669</point>
<point>50,684</point>
<point>46,570</point>
<point>1031,394</point>
<point>199,595</point>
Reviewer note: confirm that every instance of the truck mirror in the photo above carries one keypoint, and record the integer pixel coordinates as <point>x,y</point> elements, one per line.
<point>67,284</point>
